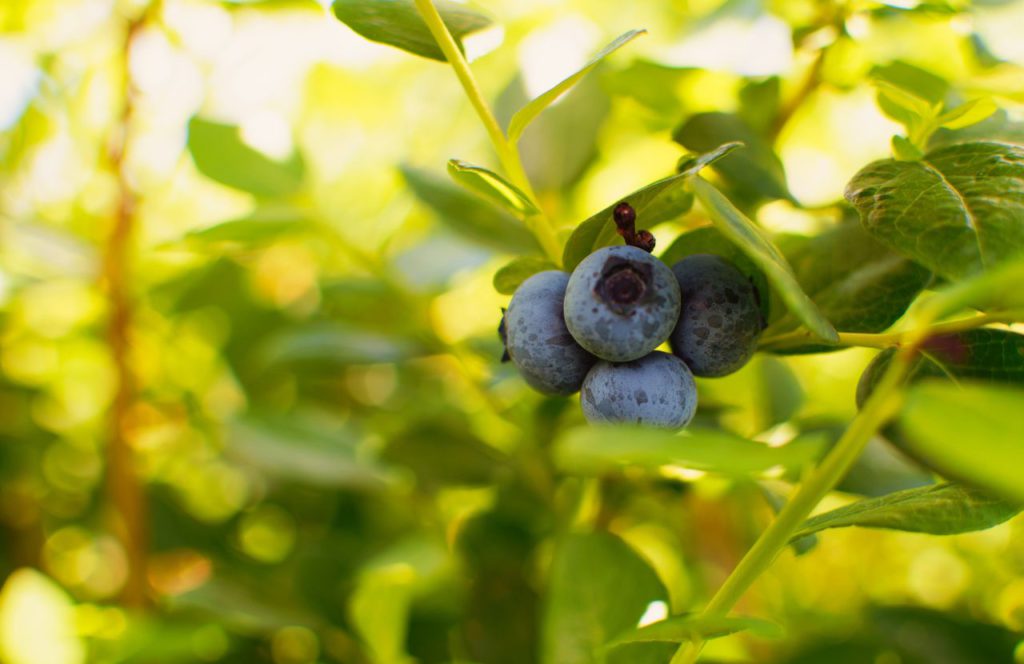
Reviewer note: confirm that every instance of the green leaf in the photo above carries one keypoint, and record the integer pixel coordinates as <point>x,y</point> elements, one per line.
<point>444,451</point>
<point>857,283</point>
<point>997,290</point>
<point>742,232</point>
<point>904,150</point>
<point>957,212</point>
<point>909,103</point>
<point>492,186</point>
<point>972,432</point>
<point>398,23</point>
<point>598,588</point>
<point>679,629</point>
<point>968,114</point>
<point>531,110</point>
<point>939,509</point>
<point>264,225</point>
<point>508,278</point>
<point>908,93</point>
<point>597,449</point>
<point>219,154</point>
<point>655,203</point>
<point>752,174</point>
<point>468,214</point>
<point>328,345</point>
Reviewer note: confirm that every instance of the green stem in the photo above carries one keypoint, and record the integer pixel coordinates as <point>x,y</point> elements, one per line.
<point>882,405</point>
<point>539,224</point>
<point>885,340</point>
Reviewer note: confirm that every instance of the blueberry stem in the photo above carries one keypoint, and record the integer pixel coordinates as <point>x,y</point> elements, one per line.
<point>624,217</point>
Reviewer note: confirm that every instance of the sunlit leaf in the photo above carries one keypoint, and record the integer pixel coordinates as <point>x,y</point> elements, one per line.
<point>968,114</point>
<point>940,509</point>
<point>509,276</point>
<point>972,432</point>
<point>657,202</point>
<point>219,154</point>
<point>492,186</point>
<point>398,23</point>
<point>742,232</point>
<point>262,226</point>
<point>958,211</point>
<point>680,629</point>
<point>531,110</point>
<point>596,449</point>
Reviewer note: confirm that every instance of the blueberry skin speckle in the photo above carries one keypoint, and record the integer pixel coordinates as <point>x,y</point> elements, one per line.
<point>720,321</point>
<point>657,390</point>
<point>621,303</point>
<point>537,340</point>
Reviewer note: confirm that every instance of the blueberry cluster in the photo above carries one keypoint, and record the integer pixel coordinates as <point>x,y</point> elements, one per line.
<point>596,330</point>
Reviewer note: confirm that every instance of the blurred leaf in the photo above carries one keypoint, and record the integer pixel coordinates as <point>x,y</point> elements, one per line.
<point>653,85</point>
<point>709,240</point>
<point>492,186</point>
<point>307,451</point>
<point>968,114</point>
<point>531,110</point>
<point>995,291</point>
<point>243,604</point>
<point>776,501</point>
<point>940,509</point>
<point>560,144</point>
<point>220,154</point>
<point>779,390</point>
<point>379,610</point>
<point>908,90</point>
<point>997,127</point>
<point>881,470</point>
<point>679,629</point>
<point>445,452</point>
<point>508,278</point>
<point>904,150</point>
<point>972,432</point>
<point>957,212</point>
<point>753,173</point>
<point>598,588</point>
<point>655,203</point>
<point>264,225</point>
<point>597,449</point>
<point>742,232</point>
<point>858,284</point>
<point>759,104</point>
<point>398,23</point>
<point>468,214</point>
<point>908,106</point>
<point>329,345</point>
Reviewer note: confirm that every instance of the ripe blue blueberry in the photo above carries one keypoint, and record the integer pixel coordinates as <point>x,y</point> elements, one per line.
<point>621,303</point>
<point>537,340</point>
<point>657,390</point>
<point>720,321</point>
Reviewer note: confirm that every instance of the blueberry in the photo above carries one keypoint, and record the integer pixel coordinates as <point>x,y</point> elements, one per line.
<point>657,390</point>
<point>721,319</point>
<point>621,303</point>
<point>537,340</point>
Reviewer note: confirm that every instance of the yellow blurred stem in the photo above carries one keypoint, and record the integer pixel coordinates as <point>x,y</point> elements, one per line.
<point>508,155</point>
<point>884,402</point>
<point>124,488</point>
<point>889,339</point>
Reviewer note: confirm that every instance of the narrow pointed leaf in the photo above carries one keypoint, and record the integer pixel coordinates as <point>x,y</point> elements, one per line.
<point>531,110</point>
<point>680,629</point>
<point>492,186</point>
<point>220,154</point>
<point>742,232</point>
<point>968,114</point>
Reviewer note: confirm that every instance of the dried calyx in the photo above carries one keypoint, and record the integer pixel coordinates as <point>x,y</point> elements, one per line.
<point>623,283</point>
<point>625,224</point>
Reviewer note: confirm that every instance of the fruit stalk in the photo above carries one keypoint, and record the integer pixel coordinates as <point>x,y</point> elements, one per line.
<point>539,224</point>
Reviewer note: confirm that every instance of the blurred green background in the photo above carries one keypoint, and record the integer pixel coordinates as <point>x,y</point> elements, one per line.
<point>251,408</point>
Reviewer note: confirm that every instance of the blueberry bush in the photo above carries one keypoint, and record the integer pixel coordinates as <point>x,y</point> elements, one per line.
<point>319,344</point>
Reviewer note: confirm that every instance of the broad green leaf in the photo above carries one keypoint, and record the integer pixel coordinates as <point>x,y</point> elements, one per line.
<point>219,154</point>
<point>306,451</point>
<point>858,284</point>
<point>508,278</point>
<point>968,114</point>
<point>709,240</point>
<point>972,432</point>
<point>597,449</point>
<point>468,214</point>
<point>958,211</point>
<point>492,186</point>
<point>752,174</point>
<point>939,509</point>
<point>398,23</point>
<point>904,150</point>
<point>263,225</point>
<point>742,232</point>
<point>655,203</point>
<point>679,629</point>
<point>527,113</point>
<point>598,588</point>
